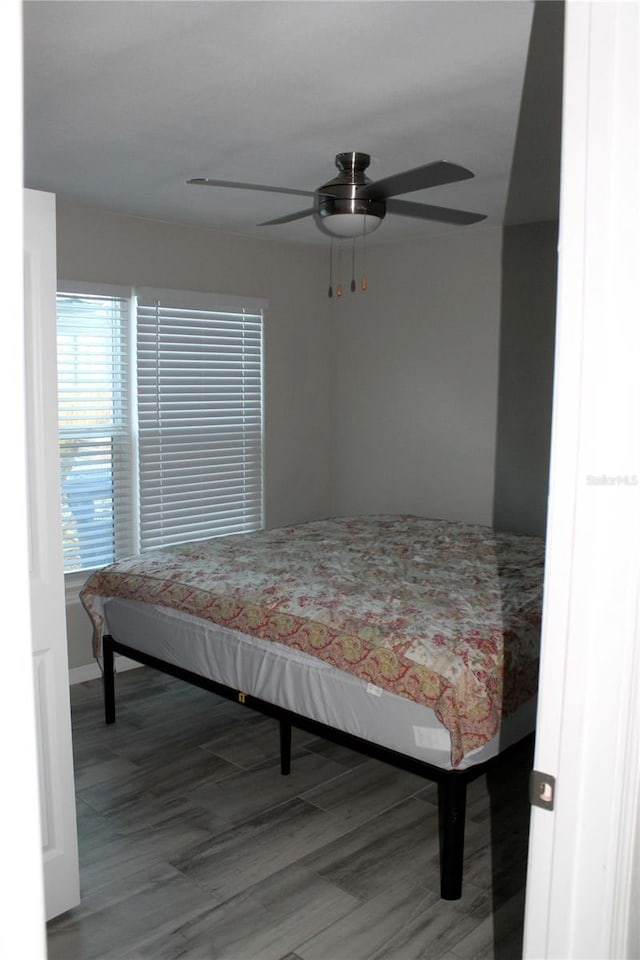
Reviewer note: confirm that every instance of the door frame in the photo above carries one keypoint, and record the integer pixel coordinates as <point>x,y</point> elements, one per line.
<point>583,879</point>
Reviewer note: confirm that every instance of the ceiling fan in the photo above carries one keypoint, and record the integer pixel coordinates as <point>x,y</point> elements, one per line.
<point>351,205</point>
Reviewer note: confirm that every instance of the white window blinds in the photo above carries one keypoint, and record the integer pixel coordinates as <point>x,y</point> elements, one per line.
<point>94,428</point>
<point>199,399</point>
<point>160,411</point>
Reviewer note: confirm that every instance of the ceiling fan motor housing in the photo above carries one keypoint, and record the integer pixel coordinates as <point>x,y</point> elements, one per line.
<point>342,194</point>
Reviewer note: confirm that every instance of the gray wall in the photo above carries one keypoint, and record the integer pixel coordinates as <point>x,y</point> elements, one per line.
<point>430,393</point>
<point>525,377</point>
<point>418,378</point>
<point>444,379</point>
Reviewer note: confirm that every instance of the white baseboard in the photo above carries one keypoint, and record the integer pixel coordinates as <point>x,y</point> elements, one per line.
<point>91,671</point>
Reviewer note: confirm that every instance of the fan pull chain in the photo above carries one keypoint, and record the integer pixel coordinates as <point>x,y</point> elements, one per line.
<point>335,269</point>
<point>364,285</point>
<point>339,283</point>
<point>353,266</point>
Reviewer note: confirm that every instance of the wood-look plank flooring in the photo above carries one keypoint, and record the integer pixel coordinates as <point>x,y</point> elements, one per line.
<point>192,845</point>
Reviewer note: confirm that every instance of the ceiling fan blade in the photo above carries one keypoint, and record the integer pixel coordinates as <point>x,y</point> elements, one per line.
<point>424,211</point>
<point>289,217</point>
<point>430,175</point>
<point>206,182</point>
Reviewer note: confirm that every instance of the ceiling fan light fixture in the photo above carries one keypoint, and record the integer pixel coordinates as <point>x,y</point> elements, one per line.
<point>348,225</point>
<point>346,215</point>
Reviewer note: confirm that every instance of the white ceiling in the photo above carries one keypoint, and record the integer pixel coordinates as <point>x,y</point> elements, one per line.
<point>125,101</point>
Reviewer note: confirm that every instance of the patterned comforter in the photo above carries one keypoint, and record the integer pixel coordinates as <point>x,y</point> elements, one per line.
<point>446,614</point>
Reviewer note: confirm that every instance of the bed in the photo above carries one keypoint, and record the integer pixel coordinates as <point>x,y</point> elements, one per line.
<point>411,639</point>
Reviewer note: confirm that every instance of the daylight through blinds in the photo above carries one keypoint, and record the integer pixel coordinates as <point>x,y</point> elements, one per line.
<point>199,375</point>
<point>93,428</point>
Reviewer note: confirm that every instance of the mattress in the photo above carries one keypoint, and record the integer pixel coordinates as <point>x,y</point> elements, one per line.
<point>441,613</point>
<point>302,683</point>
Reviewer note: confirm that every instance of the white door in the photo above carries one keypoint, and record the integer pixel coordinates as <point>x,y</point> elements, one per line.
<point>48,624</point>
<point>583,885</point>
<point>22,900</point>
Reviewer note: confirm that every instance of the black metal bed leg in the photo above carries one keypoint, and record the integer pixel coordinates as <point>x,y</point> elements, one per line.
<point>109,681</point>
<point>285,748</point>
<point>452,798</point>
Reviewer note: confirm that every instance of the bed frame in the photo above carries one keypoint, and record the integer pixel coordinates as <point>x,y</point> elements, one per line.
<point>452,784</point>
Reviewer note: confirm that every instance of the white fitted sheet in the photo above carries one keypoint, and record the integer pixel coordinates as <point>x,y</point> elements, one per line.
<point>299,682</point>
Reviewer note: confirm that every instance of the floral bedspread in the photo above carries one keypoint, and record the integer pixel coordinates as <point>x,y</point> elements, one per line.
<point>446,614</point>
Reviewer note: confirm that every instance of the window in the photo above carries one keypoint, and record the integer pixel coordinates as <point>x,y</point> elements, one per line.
<point>93,417</point>
<point>160,413</point>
